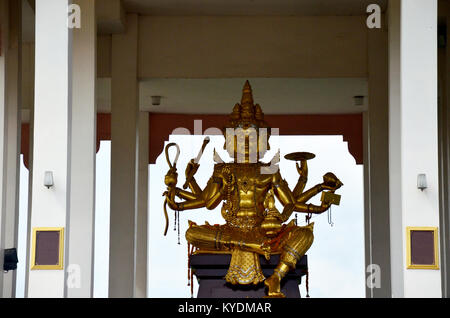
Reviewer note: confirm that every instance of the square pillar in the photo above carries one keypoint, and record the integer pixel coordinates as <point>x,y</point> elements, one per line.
<point>52,135</point>
<point>413,138</point>
<point>124,161</point>
<point>376,165</point>
<point>142,212</point>
<point>82,188</point>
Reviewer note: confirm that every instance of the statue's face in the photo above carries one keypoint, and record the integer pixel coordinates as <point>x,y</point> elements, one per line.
<point>246,145</point>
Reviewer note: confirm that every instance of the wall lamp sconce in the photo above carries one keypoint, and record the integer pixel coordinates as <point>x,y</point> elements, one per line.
<point>422,181</point>
<point>48,179</point>
<point>358,100</point>
<point>156,100</point>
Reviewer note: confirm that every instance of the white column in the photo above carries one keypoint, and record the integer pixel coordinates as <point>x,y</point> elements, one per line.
<point>124,161</point>
<point>13,132</point>
<point>376,163</point>
<point>413,137</point>
<point>52,115</point>
<point>141,227</point>
<point>82,188</point>
<point>4,30</point>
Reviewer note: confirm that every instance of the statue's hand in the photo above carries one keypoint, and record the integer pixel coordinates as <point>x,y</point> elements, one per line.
<point>299,170</point>
<point>303,169</point>
<point>191,168</point>
<point>267,250</point>
<point>325,205</point>
<point>171,178</point>
<point>171,202</point>
<point>287,212</point>
<point>331,182</point>
<point>227,177</point>
<point>275,215</point>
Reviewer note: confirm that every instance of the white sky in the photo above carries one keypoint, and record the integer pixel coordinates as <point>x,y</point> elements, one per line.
<point>21,248</point>
<point>336,258</point>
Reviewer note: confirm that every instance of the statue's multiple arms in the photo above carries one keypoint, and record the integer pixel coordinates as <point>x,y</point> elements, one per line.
<point>331,182</point>
<point>291,203</point>
<point>196,191</point>
<point>209,197</point>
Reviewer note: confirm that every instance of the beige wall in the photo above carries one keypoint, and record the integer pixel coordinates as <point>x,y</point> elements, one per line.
<point>217,47</point>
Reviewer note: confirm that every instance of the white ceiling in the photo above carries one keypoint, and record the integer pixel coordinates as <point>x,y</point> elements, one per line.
<point>218,96</point>
<point>251,7</point>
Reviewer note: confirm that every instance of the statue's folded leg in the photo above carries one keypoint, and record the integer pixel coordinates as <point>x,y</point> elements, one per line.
<point>293,246</point>
<point>204,237</point>
<point>221,238</point>
<point>244,265</point>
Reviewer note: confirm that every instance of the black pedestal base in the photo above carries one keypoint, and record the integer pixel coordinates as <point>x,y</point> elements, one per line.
<point>210,269</point>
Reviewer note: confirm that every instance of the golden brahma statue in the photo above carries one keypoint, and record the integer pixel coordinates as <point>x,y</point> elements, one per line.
<point>247,188</point>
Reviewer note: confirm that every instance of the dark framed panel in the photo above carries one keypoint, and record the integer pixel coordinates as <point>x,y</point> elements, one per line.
<point>48,248</point>
<point>422,249</point>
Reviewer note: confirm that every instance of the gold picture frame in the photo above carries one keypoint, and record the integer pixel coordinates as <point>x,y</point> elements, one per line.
<point>409,252</point>
<point>60,262</point>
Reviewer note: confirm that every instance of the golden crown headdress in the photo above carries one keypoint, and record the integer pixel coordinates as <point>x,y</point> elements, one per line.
<point>247,114</point>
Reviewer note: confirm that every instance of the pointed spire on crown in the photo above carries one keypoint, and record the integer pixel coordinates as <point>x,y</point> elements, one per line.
<point>259,115</point>
<point>246,113</point>
<point>247,95</point>
<point>247,107</point>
